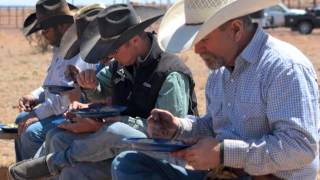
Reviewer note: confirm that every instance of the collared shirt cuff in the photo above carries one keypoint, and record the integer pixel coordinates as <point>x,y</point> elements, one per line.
<point>235,152</point>
<point>37,92</point>
<point>185,124</point>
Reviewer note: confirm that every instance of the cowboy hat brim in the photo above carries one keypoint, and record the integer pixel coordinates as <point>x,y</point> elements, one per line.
<point>176,36</point>
<point>94,48</point>
<point>31,24</point>
<point>69,44</point>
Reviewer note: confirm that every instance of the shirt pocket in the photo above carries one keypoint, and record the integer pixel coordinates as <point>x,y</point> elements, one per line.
<point>253,120</point>
<point>215,109</point>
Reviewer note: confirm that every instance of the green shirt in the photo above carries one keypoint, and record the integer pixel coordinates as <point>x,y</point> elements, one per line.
<point>173,95</point>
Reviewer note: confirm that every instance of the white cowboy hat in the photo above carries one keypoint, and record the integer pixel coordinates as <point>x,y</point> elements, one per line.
<point>188,21</point>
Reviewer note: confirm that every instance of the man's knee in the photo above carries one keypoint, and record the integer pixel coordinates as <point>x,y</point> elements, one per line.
<point>127,159</point>
<point>54,134</point>
<point>124,130</point>
<point>31,134</point>
<point>21,117</point>
<point>58,140</point>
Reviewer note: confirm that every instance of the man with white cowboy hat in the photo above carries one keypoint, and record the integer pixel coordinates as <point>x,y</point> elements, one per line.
<point>141,78</point>
<point>41,109</point>
<point>262,100</point>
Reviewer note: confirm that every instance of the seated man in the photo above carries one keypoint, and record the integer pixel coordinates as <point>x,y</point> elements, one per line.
<point>262,95</point>
<point>141,77</point>
<point>41,109</point>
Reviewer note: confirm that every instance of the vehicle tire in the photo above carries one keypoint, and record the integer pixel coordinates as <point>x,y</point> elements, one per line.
<point>305,27</point>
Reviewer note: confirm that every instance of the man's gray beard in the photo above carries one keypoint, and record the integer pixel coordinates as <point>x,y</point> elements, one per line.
<point>212,62</point>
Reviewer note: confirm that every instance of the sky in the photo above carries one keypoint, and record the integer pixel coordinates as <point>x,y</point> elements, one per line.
<point>76,2</point>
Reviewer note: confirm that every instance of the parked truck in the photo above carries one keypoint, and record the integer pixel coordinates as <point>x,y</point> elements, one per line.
<point>301,20</point>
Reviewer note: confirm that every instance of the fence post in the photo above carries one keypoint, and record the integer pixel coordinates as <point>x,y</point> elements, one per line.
<point>17,23</point>
<point>8,17</point>
<point>23,13</point>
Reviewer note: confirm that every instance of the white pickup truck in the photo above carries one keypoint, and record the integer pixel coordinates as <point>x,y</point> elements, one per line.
<point>275,16</point>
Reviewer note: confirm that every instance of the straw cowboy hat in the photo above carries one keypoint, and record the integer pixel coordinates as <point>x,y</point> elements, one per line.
<point>48,13</point>
<point>116,25</point>
<point>189,21</point>
<point>70,42</point>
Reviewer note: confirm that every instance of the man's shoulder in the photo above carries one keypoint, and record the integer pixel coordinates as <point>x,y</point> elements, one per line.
<point>283,53</point>
<point>279,56</point>
<point>170,57</point>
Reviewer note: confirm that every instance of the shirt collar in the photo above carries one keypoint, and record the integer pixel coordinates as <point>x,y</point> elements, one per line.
<point>252,52</point>
<point>153,54</point>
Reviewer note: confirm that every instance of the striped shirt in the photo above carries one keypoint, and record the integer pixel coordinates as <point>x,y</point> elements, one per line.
<point>265,111</point>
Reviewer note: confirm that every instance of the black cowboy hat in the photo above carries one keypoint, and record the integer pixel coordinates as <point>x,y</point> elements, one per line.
<point>31,23</point>
<point>116,25</point>
<point>70,42</point>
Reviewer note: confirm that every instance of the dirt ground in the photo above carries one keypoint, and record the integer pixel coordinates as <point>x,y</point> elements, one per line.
<point>22,69</point>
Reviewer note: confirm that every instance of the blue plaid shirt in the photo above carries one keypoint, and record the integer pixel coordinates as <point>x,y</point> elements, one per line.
<point>265,111</point>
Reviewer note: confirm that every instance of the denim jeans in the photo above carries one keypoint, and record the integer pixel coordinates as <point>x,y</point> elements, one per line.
<point>30,141</point>
<point>83,152</point>
<point>139,166</point>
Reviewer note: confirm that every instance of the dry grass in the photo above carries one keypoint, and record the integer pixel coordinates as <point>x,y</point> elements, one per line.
<point>23,70</point>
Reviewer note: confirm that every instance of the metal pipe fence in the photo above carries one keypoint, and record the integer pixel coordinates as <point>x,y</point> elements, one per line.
<point>13,16</point>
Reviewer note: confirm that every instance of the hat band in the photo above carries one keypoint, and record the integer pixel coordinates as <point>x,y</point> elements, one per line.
<point>194,24</point>
<point>56,20</point>
<point>109,38</point>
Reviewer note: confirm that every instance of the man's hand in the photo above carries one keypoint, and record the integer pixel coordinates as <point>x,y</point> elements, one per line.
<point>87,79</point>
<point>71,73</point>
<point>74,105</point>
<point>78,105</point>
<point>82,125</point>
<point>203,155</point>
<point>74,94</point>
<point>27,103</point>
<point>162,124</point>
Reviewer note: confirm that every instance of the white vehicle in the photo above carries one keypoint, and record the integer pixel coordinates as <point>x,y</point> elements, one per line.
<point>275,15</point>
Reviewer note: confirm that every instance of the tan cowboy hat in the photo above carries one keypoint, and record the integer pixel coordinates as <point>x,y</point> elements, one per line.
<point>53,12</point>
<point>189,21</point>
<point>31,24</point>
<point>70,42</point>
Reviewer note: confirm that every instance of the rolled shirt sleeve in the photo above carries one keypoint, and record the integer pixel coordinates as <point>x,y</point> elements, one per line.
<point>38,94</point>
<point>174,94</point>
<point>53,105</point>
<point>104,85</point>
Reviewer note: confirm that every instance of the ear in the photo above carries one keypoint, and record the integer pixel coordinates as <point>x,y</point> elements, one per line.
<point>136,39</point>
<point>237,29</point>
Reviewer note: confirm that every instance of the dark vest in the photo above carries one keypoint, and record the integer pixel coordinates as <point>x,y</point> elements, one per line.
<point>139,89</point>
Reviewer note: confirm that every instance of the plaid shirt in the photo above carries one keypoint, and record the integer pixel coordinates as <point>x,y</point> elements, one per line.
<point>265,111</point>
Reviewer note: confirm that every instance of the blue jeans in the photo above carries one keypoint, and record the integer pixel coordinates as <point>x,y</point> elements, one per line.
<point>30,141</point>
<point>139,166</point>
<point>74,154</point>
